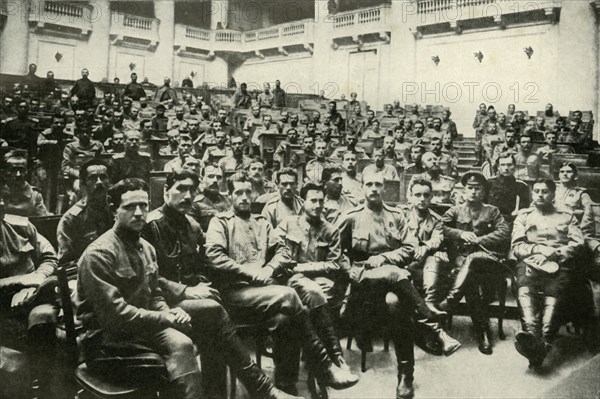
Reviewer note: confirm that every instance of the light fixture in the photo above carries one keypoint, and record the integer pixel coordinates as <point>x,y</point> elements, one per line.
<point>479,56</point>
<point>436,60</point>
<point>528,51</point>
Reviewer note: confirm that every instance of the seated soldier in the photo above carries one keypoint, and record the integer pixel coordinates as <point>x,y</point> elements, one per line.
<point>320,270</point>
<point>418,134</point>
<point>132,162</point>
<point>237,243</point>
<point>545,242</point>
<point>506,192</point>
<point>528,162</point>
<point>178,120</point>
<point>265,128</point>
<point>389,150</point>
<point>351,140</point>
<point>28,310</point>
<point>210,201</point>
<point>372,132</point>
<point>283,153</point>
<point>284,121</point>
<point>479,235</point>
<point>388,171</point>
<point>509,144</point>
<point>552,147</point>
<point>571,135</point>
<point>172,143</point>
<point>254,120</point>
<point>448,165</point>
<point>299,159</point>
<point>314,167</point>
<point>429,267</point>
<point>179,241</point>
<point>373,235</point>
<point>336,202</point>
<point>185,148</point>
<point>287,202</point>
<point>20,198</point>
<point>89,218</point>
<point>416,155</point>
<point>237,161</point>
<point>119,308</point>
<point>351,180</point>
<point>401,146</point>
<point>78,152</point>
<point>436,129</point>
<point>443,186</point>
<point>115,144</point>
<point>220,148</point>
<point>491,138</point>
<point>260,185</point>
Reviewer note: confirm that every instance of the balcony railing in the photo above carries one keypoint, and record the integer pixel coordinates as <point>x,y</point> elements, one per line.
<point>362,21</point>
<point>457,13</point>
<point>275,37</point>
<point>133,29</point>
<point>61,13</point>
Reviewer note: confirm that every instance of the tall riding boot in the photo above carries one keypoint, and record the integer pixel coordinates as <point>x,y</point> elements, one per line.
<point>550,325</point>
<point>258,385</point>
<point>409,293</point>
<point>480,322</point>
<point>528,341</point>
<point>286,357</point>
<point>459,286</point>
<point>403,335</point>
<point>41,352</point>
<point>321,319</point>
<point>431,284</point>
<point>187,386</point>
<point>449,345</point>
<point>321,365</point>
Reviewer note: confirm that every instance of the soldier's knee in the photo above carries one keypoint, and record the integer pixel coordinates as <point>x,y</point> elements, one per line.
<point>181,343</point>
<point>392,301</point>
<point>288,300</point>
<point>396,275</point>
<point>42,315</point>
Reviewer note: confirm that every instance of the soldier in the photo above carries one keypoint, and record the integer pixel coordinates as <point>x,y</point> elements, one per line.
<point>283,154</point>
<point>314,167</point>
<point>265,99</point>
<point>237,160</point>
<point>184,150</point>
<point>351,141</point>
<point>172,147</point>
<point>297,159</point>
<point>118,307</point>
<point>176,122</point>
<point>241,98</point>
<point>479,235</point>
<point>401,147</point>
<point>481,130</point>
<point>491,138</point>
<point>210,201</point>
<point>436,130</point>
<point>165,93</point>
<point>236,247</point>
<point>373,235</point>
<point>21,132</point>
<point>508,145</point>
<point>528,162</point>
<point>133,89</point>
<point>419,137</point>
<point>287,203</point>
<point>448,164</point>
<point>184,282</point>
<point>545,242</point>
<point>389,172</point>
<point>260,185</point>
<point>320,271</point>
<point>160,122</point>
<point>89,218</point>
<point>448,125</point>
<point>132,162</point>
<point>219,149</point>
<point>430,262</point>
<point>20,198</point>
<point>78,152</point>
<point>416,155</point>
<point>443,186</point>
<point>84,91</point>
<point>506,192</point>
<point>480,116</point>
<point>227,127</point>
<point>106,129</point>
<point>351,181</point>
<point>552,147</point>
<point>28,310</point>
<point>265,128</point>
<point>254,120</point>
<point>336,202</point>
<point>293,123</point>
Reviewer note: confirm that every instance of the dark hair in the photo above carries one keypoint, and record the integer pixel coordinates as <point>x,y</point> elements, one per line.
<point>179,175</point>
<point>570,165</point>
<point>125,185</point>
<point>548,182</point>
<point>419,122</point>
<point>329,171</point>
<point>420,182</point>
<point>310,186</point>
<point>508,154</point>
<point>83,173</point>
<point>238,177</point>
<point>524,136</point>
<point>286,171</point>
<point>209,164</point>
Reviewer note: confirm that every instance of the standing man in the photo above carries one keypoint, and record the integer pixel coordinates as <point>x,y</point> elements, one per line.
<point>479,235</point>
<point>278,95</point>
<point>132,162</point>
<point>241,98</point>
<point>265,99</point>
<point>236,247</point>
<point>545,241</point>
<point>133,89</point>
<point>84,90</point>
<point>372,233</point>
<point>166,93</point>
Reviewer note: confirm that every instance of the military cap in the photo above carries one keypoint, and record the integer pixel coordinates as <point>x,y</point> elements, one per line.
<point>473,177</point>
<point>161,106</point>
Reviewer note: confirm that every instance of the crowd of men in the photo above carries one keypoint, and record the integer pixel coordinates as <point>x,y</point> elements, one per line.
<point>291,238</point>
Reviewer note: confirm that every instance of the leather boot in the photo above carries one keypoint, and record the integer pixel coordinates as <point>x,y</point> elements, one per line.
<point>431,283</point>
<point>449,345</point>
<point>405,389</point>
<point>41,353</point>
<point>528,341</point>
<point>321,319</point>
<point>457,291</point>
<point>186,387</point>
<point>410,293</point>
<point>286,357</point>
<point>480,322</point>
<point>327,373</point>
<point>549,330</point>
<point>258,385</point>
<point>426,340</point>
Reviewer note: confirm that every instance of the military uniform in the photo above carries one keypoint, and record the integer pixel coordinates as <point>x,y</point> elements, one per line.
<point>22,134</point>
<point>334,209</point>
<point>503,193</point>
<point>168,150</point>
<point>314,169</point>
<point>545,152</point>
<point>160,126</point>
<point>388,171</point>
<point>540,293</point>
<point>25,201</point>
<point>443,188</point>
<point>339,152</point>
<point>352,187</point>
<point>260,130</point>
<point>137,165</point>
<point>79,227</point>
<point>528,166</point>
<point>261,188</point>
<point>231,164</point>
<point>75,155</point>
<point>276,210</point>
<point>215,151</point>
<point>205,207</point>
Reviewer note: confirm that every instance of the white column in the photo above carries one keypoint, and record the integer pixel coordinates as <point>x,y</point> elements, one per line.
<point>98,44</point>
<point>596,6</point>
<point>164,10</point>
<point>14,39</point>
<point>219,10</point>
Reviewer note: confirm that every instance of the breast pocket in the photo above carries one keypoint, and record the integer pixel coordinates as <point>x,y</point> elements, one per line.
<point>360,241</point>
<point>321,249</point>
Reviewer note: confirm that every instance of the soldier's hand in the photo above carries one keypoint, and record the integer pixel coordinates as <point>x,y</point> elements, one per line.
<point>374,262</point>
<point>178,316</point>
<point>469,237</point>
<point>547,251</point>
<point>22,297</point>
<point>32,280</point>
<point>264,275</point>
<point>420,253</point>
<point>537,259</point>
<point>202,291</point>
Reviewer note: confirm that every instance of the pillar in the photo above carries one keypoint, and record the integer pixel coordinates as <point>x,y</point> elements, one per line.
<point>219,12</point>
<point>164,10</point>
<point>596,6</point>
<point>14,38</point>
<point>98,43</point>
